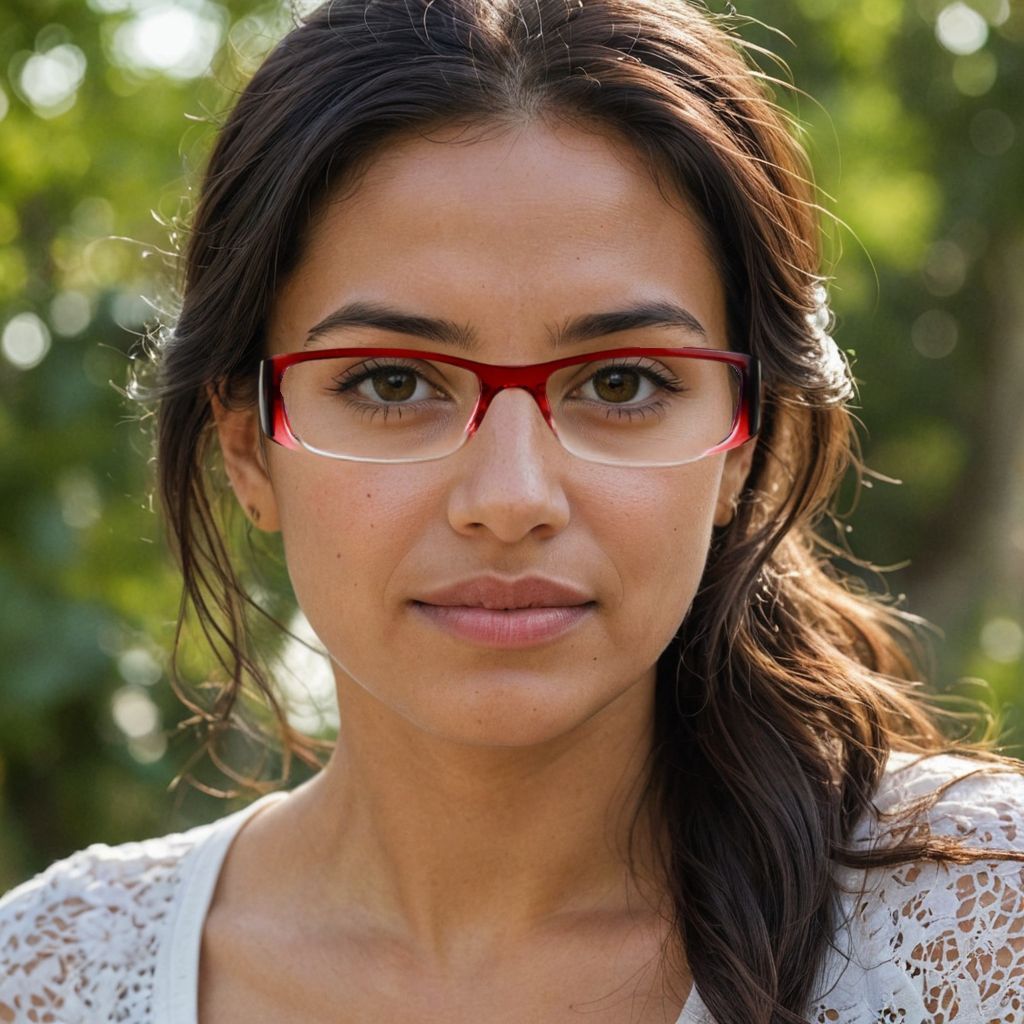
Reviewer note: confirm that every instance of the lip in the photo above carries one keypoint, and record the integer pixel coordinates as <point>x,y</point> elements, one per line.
<point>497,593</point>
<point>506,613</point>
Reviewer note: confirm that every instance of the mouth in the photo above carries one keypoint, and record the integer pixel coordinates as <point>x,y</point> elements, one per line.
<point>499,593</point>
<point>505,612</point>
<point>512,627</point>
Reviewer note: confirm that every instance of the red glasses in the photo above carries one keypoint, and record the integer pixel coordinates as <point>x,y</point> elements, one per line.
<point>624,406</point>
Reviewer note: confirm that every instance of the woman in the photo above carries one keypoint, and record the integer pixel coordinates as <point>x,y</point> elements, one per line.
<point>508,317</point>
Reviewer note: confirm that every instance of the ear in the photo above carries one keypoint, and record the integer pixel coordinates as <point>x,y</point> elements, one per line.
<point>238,431</point>
<point>734,476</point>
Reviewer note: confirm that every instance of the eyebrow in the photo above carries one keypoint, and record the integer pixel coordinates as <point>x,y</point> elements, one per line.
<point>387,318</point>
<point>447,332</point>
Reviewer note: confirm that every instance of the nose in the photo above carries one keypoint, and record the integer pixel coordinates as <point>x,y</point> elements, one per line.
<point>510,473</point>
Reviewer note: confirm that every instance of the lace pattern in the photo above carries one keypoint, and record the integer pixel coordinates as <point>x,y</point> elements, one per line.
<point>79,942</point>
<point>922,942</point>
<point>937,943</point>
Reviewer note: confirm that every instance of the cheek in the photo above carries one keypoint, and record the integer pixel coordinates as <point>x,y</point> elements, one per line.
<point>344,532</point>
<point>658,533</point>
<point>350,532</point>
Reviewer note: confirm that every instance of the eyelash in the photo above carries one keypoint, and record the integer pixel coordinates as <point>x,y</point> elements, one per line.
<point>355,376</point>
<point>659,377</point>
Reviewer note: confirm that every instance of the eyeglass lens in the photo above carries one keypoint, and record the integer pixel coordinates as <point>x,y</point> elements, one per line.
<point>633,410</point>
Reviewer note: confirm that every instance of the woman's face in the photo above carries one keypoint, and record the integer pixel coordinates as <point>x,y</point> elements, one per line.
<point>510,236</point>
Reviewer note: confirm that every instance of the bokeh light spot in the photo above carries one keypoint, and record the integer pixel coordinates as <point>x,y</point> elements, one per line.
<point>80,503</point>
<point>975,73</point>
<point>169,38</point>
<point>306,680</point>
<point>945,268</point>
<point>1002,640</point>
<point>130,310</point>
<point>149,748</point>
<point>934,334</point>
<point>134,712</point>
<point>70,312</point>
<point>93,217</point>
<point>139,667</point>
<point>50,80</point>
<point>961,29</point>
<point>992,132</point>
<point>25,342</point>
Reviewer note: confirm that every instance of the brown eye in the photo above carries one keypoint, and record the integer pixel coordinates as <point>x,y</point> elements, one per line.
<point>394,385</point>
<point>616,384</point>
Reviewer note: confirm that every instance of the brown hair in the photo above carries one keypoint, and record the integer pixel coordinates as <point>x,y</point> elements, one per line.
<point>786,687</point>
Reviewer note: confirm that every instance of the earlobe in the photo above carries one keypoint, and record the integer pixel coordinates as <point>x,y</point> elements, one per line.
<point>734,476</point>
<point>238,432</point>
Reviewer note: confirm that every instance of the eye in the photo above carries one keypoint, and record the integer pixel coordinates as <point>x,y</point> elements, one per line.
<point>616,384</point>
<point>393,385</point>
<point>387,382</point>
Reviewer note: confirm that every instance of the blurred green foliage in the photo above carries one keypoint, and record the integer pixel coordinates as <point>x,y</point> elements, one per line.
<point>914,116</point>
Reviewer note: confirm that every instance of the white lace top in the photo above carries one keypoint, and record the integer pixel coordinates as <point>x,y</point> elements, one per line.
<point>113,933</point>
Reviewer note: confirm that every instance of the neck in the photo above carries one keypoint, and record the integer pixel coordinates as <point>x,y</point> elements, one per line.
<point>438,841</point>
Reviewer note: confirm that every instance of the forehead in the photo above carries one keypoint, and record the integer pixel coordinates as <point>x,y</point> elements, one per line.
<point>509,228</point>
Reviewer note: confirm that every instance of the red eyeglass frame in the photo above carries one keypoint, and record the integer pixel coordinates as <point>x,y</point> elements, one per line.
<point>495,378</point>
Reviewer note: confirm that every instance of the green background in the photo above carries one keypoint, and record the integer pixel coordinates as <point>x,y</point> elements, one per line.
<point>913,111</point>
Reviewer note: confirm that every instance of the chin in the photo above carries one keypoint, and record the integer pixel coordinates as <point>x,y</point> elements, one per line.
<point>513,712</point>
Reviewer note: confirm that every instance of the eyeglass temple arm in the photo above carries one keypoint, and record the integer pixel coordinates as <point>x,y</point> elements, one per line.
<point>274,425</point>
<point>265,399</point>
<point>754,402</point>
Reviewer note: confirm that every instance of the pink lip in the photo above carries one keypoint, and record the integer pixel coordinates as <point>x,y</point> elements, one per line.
<point>501,612</point>
<point>499,593</point>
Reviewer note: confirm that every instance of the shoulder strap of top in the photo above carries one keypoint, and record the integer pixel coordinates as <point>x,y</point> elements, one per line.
<point>176,983</point>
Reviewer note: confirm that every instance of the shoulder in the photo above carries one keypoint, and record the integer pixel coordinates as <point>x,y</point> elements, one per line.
<point>943,941</point>
<point>82,936</point>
